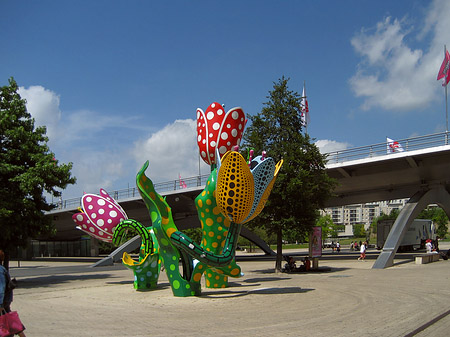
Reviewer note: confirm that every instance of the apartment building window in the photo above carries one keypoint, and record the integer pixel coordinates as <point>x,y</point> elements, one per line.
<point>353,216</point>
<point>336,215</point>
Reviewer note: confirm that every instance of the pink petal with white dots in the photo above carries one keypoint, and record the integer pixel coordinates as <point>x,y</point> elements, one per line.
<point>98,235</point>
<point>103,214</point>
<point>86,226</point>
<point>105,195</point>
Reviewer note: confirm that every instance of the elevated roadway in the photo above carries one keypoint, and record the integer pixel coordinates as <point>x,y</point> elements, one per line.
<point>420,172</point>
<point>390,176</point>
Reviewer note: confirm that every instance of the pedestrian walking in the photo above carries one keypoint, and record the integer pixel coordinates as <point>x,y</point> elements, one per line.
<point>362,251</point>
<point>10,322</point>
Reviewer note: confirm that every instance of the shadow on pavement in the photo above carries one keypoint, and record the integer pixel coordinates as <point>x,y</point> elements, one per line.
<point>261,291</point>
<point>265,279</point>
<point>48,281</point>
<point>241,284</point>
<point>320,270</point>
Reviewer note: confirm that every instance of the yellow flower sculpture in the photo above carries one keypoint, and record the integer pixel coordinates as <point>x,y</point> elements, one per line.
<point>242,191</point>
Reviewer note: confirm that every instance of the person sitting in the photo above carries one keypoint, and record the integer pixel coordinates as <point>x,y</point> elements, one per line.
<point>307,264</point>
<point>292,264</point>
<point>428,246</point>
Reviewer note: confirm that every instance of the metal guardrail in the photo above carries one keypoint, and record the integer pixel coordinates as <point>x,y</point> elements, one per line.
<point>171,185</point>
<point>383,149</point>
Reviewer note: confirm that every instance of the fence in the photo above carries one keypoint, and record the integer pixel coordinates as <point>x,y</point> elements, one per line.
<point>132,192</point>
<point>382,149</point>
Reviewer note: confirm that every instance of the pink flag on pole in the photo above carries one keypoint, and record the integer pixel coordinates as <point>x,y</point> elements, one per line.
<point>444,71</point>
<point>305,109</point>
<point>182,183</point>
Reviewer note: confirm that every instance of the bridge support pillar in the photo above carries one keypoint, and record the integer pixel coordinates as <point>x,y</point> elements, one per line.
<point>117,254</point>
<point>437,194</point>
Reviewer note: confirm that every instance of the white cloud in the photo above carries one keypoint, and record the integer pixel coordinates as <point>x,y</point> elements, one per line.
<point>43,105</point>
<point>84,126</point>
<point>327,146</point>
<point>171,151</point>
<point>394,76</point>
<point>98,169</point>
<point>93,142</point>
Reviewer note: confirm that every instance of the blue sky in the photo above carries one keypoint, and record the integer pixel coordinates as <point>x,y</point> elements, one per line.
<point>119,82</point>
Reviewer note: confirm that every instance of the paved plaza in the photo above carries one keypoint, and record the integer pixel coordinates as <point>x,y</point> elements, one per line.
<point>344,298</point>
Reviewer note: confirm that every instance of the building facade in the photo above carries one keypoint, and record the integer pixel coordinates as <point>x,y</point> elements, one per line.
<point>363,214</point>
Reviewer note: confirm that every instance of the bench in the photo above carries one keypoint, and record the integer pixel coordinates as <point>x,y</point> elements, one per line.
<point>427,258</point>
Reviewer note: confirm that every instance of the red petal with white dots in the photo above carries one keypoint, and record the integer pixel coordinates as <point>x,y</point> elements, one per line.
<point>217,129</point>
<point>231,130</point>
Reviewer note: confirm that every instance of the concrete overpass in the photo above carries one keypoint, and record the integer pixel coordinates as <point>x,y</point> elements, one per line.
<point>420,172</point>
<point>371,173</point>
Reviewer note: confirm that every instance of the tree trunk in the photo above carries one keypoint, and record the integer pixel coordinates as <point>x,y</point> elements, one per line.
<point>279,250</point>
<point>6,260</point>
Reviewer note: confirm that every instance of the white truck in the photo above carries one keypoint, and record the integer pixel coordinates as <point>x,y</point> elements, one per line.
<point>418,232</point>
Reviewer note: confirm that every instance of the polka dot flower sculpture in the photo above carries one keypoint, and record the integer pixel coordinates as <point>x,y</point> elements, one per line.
<point>235,193</point>
<point>217,130</point>
<point>102,217</point>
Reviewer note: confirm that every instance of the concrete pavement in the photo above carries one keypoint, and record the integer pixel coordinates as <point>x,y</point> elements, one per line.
<point>346,298</point>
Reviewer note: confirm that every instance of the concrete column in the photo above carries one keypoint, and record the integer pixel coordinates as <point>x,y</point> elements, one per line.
<point>437,194</point>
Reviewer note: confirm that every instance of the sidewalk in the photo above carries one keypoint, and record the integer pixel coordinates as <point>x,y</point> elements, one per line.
<point>71,299</point>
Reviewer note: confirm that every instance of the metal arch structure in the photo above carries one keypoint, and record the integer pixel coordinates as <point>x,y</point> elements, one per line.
<point>437,195</point>
<point>421,172</point>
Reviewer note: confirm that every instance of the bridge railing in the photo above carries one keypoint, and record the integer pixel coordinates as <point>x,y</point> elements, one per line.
<point>382,149</point>
<point>171,185</point>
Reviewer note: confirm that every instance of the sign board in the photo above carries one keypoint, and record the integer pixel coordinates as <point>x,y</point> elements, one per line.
<point>315,242</point>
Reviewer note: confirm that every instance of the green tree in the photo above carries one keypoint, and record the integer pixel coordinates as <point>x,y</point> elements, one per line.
<point>27,170</point>
<point>359,231</point>
<point>439,217</point>
<point>335,229</point>
<point>391,216</point>
<point>327,224</point>
<point>302,185</point>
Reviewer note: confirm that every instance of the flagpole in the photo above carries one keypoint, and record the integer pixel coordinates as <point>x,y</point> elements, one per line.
<point>303,106</point>
<point>446,103</point>
<point>306,122</point>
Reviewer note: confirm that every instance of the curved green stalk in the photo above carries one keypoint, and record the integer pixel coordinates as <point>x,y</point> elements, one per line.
<point>184,242</point>
<point>163,227</point>
<point>146,270</point>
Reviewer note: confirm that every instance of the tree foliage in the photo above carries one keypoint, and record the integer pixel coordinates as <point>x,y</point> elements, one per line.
<point>359,231</point>
<point>329,228</point>
<point>327,224</point>
<point>27,170</point>
<point>436,214</point>
<point>439,217</point>
<point>302,185</point>
<point>391,216</point>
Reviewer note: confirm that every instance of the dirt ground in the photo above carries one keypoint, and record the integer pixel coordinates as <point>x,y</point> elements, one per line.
<point>345,298</point>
